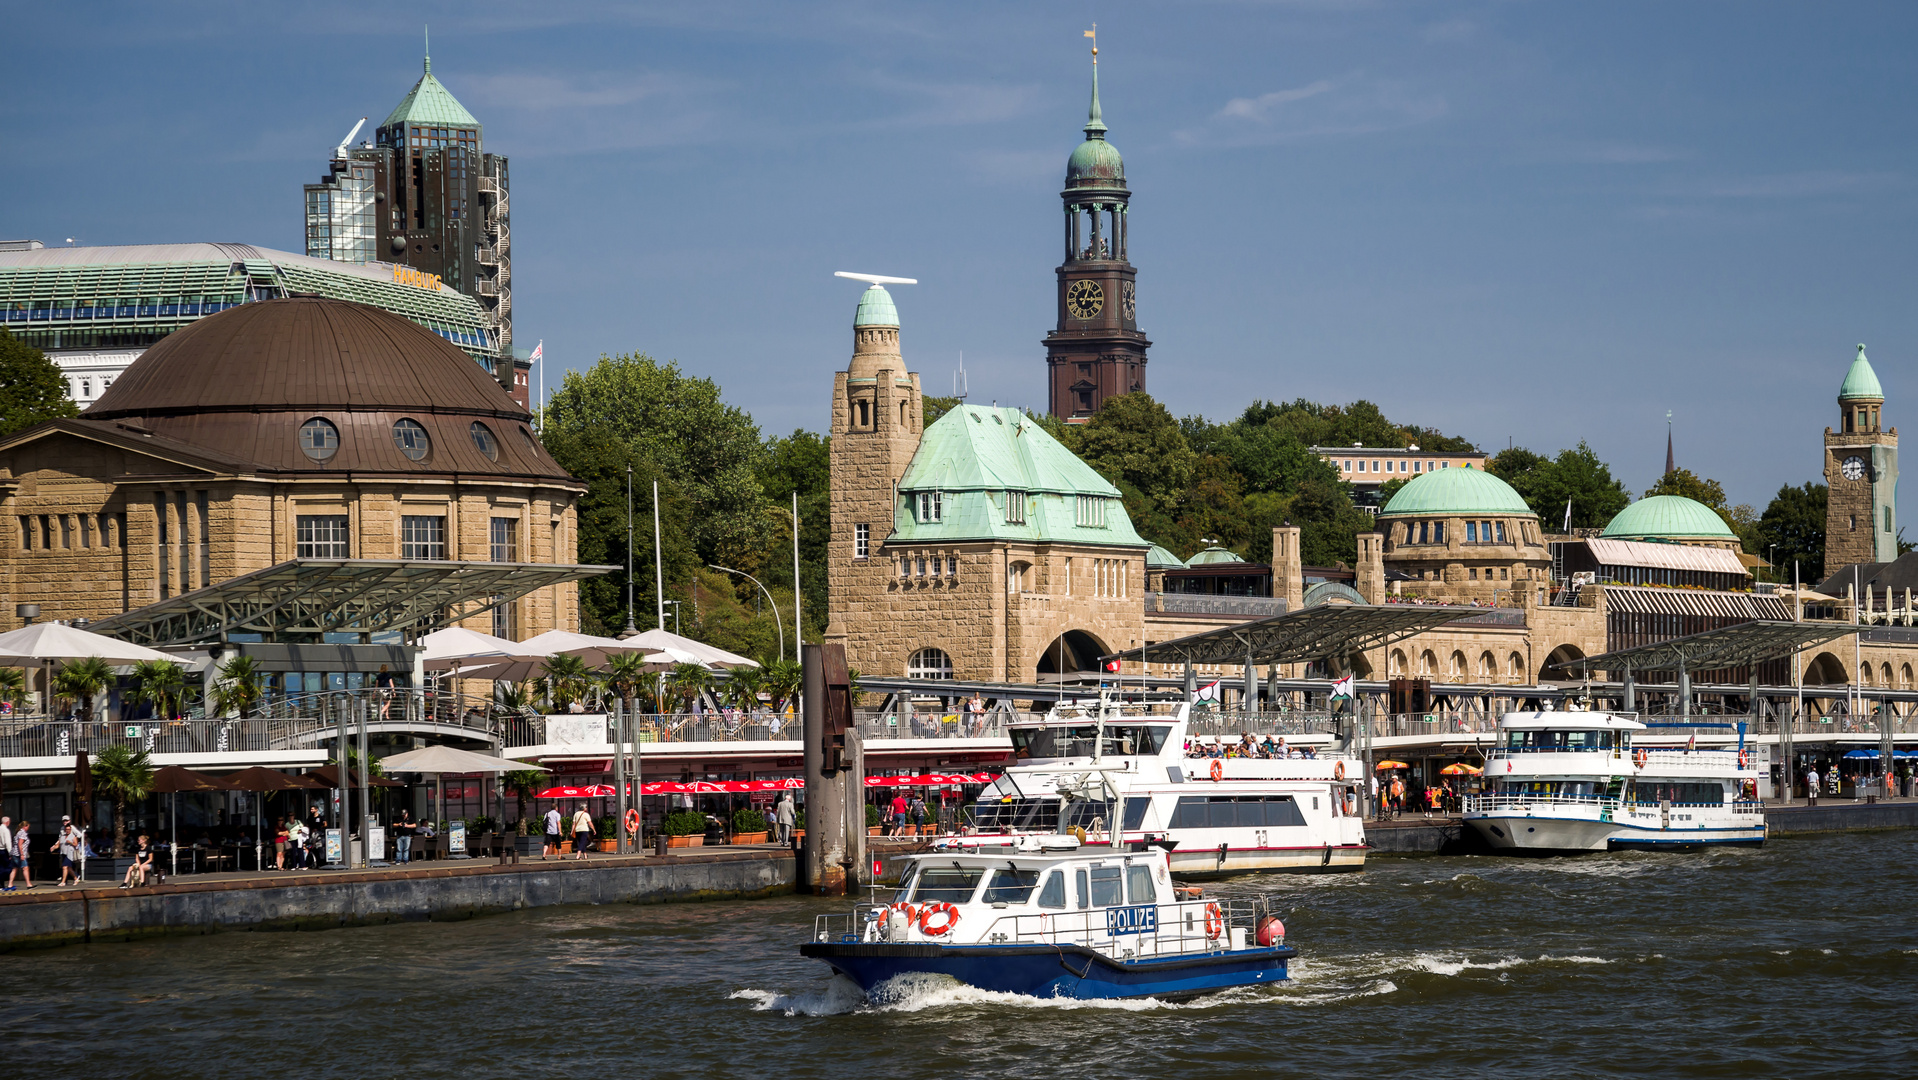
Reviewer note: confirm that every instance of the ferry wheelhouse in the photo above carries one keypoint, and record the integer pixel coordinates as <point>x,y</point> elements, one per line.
<point>1043,917</point>
<point>1125,775</point>
<point>1574,782</point>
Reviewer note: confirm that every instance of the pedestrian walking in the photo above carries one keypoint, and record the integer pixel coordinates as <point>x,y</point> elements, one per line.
<point>551,845</point>
<point>918,811</point>
<point>582,832</point>
<point>1811,785</point>
<point>17,850</point>
<point>783,816</point>
<point>69,847</point>
<point>279,843</point>
<point>6,848</point>
<point>403,831</point>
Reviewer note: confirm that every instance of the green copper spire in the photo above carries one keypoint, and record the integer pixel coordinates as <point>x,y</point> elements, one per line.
<point>430,104</point>
<point>1095,127</point>
<point>1861,383</point>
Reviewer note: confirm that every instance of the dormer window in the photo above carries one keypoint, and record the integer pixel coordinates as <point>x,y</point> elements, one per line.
<point>929,508</point>
<point>1015,507</point>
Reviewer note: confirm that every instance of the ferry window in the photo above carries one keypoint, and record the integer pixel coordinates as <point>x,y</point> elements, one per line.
<point>1135,808</point>
<point>1085,898</point>
<point>1105,886</point>
<point>953,884</point>
<point>1281,811</point>
<point>1054,894</point>
<point>1010,886</point>
<point>1089,815</point>
<point>1138,885</point>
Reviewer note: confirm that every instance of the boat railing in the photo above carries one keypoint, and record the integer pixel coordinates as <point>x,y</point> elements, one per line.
<point>1118,932</point>
<point>1497,803</point>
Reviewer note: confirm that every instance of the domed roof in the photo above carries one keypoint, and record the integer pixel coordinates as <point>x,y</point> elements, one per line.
<point>1668,517</point>
<point>875,308</point>
<point>1861,382</point>
<point>1463,490</point>
<point>242,383</point>
<point>1096,163</point>
<point>1157,557</point>
<point>1212,556</point>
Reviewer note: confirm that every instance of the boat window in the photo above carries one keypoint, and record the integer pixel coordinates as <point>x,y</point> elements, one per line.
<point>1090,816</point>
<point>1652,792</point>
<point>1138,885</point>
<point>952,884</point>
<point>1105,886</point>
<point>1011,886</point>
<point>1135,808</point>
<point>1560,741</point>
<point>1075,740</point>
<point>1085,899</point>
<point>1232,812</point>
<point>1008,815</point>
<point>905,884</point>
<point>1054,894</point>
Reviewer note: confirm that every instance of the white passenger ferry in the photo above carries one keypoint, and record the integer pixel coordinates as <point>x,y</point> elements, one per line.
<point>1570,782</point>
<point>1123,775</point>
<point>1046,918</point>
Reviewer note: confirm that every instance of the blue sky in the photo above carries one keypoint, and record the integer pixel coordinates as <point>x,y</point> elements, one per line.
<point>1541,222</point>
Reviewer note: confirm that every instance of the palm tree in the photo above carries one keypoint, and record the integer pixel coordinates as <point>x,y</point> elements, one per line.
<point>567,680</point>
<point>522,783</point>
<point>783,680</point>
<point>83,680</point>
<point>625,674</point>
<point>689,680</point>
<point>240,686</point>
<point>13,686</point>
<point>124,775</point>
<point>742,686</point>
<point>160,682</point>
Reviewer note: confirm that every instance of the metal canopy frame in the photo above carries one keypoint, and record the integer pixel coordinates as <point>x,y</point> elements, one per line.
<point>1726,647</point>
<point>311,597</point>
<point>1310,634</point>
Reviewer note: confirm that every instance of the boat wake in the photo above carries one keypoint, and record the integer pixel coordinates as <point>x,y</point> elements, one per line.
<point>921,992</point>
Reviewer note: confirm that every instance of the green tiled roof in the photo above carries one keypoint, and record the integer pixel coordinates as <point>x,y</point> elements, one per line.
<point>1213,556</point>
<point>875,309</point>
<point>1667,517</point>
<point>973,456</point>
<point>1159,557</point>
<point>1463,490</point>
<point>1861,383</point>
<point>430,103</point>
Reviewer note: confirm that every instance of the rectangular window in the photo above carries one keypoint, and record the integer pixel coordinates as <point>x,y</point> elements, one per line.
<point>929,508</point>
<point>952,566</point>
<point>1438,532</point>
<point>861,541</point>
<point>26,534</point>
<point>1415,466</point>
<point>1471,532</point>
<point>1015,508</point>
<point>66,531</point>
<point>1054,894</point>
<point>1445,464</point>
<point>1106,887</point>
<point>503,541</point>
<point>1501,532</point>
<point>919,566</point>
<point>1348,465</point>
<point>1091,512</point>
<point>165,566</point>
<point>1375,465</point>
<point>506,620</point>
<point>422,537</point>
<point>321,536</point>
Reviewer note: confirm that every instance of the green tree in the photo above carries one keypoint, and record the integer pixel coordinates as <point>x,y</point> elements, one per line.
<point>523,783</point>
<point>239,686</point>
<point>626,675</point>
<point>31,387</point>
<point>160,683</point>
<point>783,680</point>
<point>123,775</point>
<point>83,680</point>
<point>932,408</point>
<point>1576,476</point>
<point>567,679</point>
<point>1794,521</point>
<point>801,464</point>
<point>13,686</point>
<point>688,681</point>
<point>1270,458</point>
<point>743,686</point>
<point>1132,440</point>
<point>599,457</point>
<point>1684,482</point>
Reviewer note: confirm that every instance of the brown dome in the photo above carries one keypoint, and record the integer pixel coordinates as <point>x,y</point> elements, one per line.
<point>243,383</point>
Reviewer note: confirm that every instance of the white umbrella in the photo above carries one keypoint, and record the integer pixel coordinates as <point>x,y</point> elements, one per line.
<point>435,760</point>
<point>698,651</point>
<point>50,642</point>
<point>456,646</point>
<point>594,650</point>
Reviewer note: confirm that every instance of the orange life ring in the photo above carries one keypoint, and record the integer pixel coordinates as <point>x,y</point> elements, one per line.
<point>911,912</point>
<point>1214,921</point>
<point>1338,770</point>
<point>951,919</point>
<point>1218,769</point>
<point>1744,759</point>
<point>632,820</point>
<point>1639,757</point>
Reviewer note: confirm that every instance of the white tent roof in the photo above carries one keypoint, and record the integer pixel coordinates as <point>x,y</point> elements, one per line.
<point>53,642</point>
<point>446,759</point>
<point>698,652</point>
<point>457,646</point>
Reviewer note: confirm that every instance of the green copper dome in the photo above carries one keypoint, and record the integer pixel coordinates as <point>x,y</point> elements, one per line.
<point>875,309</point>
<point>1158,558</point>
<point>1668,517</point>
<point>1463,490</point>
<point>1213,556</point>
<point>1096,163</point>
<point>1861,383</point>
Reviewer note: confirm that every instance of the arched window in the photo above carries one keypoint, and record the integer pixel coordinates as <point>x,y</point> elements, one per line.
<point>1487,667</point>
<point>1885,673</point>
<point>319,439</point>
<point>1904,677</point>
<point>1398,663</point>
<point>1458,665</point>
<point>929,664</point>
<point>1016,577</point>
<point>1427,663</point>
<point>1515,667</point>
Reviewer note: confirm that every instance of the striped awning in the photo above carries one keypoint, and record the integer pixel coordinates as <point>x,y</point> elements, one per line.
<point>1704,560</point>
<point>1640,600</point>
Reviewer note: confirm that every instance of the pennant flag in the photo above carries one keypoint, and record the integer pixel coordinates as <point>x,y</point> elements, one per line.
<point>1208,692</point>
<point>1342,688</point>
<point>1112,665</point>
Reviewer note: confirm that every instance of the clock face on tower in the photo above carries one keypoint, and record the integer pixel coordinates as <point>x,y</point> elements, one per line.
<point>1084,298</point>
<point>1853,469</point>
<point>1128,302</point>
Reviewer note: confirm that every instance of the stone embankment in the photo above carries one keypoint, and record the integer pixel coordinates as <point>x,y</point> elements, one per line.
<point>320,900</point>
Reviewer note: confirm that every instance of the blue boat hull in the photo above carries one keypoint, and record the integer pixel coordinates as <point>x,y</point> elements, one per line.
<point>1069,971</point>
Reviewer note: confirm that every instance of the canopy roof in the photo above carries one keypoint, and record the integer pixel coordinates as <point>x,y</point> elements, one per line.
<point>875,308</point>
<point>447,759</point>
<point>304,598</point>
<point>1726,647</point>
<point>1301,636</point>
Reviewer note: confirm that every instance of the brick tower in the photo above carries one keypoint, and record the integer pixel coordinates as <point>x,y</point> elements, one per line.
<point>1097,351</point>
<point>876,423</point>
<point>1861,469</point>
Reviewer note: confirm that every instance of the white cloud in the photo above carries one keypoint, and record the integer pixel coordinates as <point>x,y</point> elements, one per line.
<point>1354,104</point>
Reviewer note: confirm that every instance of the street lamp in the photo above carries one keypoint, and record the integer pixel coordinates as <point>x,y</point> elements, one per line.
<point>1771,556</point>
<point>779,627</point>
<point>674,604</point>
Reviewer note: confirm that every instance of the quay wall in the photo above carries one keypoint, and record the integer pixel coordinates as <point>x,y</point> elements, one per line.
<point>328,900</point>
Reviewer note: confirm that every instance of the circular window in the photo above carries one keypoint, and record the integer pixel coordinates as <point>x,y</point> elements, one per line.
<point>483,438</point>
<point>528,436</point>
<point>410,437</point>
<point>319,439</point>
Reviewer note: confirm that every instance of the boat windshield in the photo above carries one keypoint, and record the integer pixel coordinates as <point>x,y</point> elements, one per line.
<point>951,884</point>
<point>1075,740</point>
<point>1050,814</point>
<point>1011,886</point>
<point>1537,741</point>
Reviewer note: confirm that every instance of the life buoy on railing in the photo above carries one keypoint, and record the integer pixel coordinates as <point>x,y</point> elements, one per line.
<point>947,915</point>
<point>1218,769</point>
<point>632,820</point>
<point>1338,770</point>
<point>1214,921</point>
<point>1639,757</point>
<point>1744,759</point>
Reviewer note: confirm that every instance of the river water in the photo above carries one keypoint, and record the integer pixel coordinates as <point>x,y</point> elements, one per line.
<point>1798,960</point>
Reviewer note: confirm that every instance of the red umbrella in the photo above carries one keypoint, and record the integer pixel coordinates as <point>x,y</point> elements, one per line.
<point>590,791</point>
<point>930,780</point>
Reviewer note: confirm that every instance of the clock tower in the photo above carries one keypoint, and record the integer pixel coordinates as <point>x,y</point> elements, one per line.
<point>1861,469</point>
<point>1097,351</point>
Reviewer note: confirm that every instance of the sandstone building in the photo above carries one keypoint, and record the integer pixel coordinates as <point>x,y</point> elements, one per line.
<point>1861,471</point>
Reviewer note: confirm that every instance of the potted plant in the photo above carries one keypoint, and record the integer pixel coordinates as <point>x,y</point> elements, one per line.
<point>749,827</point>
<point>684,829</point>
<point>873,820</point>
<point>609,833</point>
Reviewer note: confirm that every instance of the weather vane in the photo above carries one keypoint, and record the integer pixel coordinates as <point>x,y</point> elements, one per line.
<point>1094,35</point>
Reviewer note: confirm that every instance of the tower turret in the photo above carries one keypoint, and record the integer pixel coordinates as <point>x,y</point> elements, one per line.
<point>1861,472</point>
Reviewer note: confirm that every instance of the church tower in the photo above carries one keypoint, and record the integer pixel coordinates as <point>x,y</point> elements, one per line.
<point>1097,350</point>
<point>877,415</point>
<point>1861,469</point>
